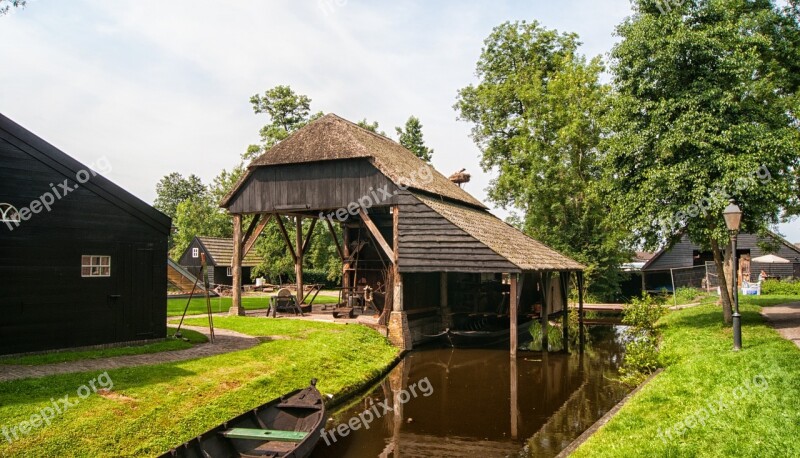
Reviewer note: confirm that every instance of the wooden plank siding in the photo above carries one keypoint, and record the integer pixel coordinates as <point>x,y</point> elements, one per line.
<point>45,302</point>
<point>681,255</point>
<point>327,185</point>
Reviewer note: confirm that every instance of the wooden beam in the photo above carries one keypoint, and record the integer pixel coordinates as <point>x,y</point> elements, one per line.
<point>547,277</point>
<point>298,259</point>
<point>286,237</point>
<point>565,310</point>
<point>250,240</point>
<point>251,226</point>
<point>513,307</point>
<point>580,310</point>
<point>397,288</point>
<point>236,268</point>
<point>308,236</point>
<point>376,234</point>
<point>335,239</point>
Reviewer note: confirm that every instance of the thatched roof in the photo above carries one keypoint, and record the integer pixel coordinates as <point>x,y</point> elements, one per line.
<point>331,137</point>
<point>221,252</point>
<point>502,238</point>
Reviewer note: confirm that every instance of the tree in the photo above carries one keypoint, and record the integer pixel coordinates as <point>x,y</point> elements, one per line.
<point>6,5</point>
<point>535,113</point>
<point>706,108</point>
<point>371,126</point>
<point>411,139</point>
<point>287,111</point>
<point>173,189</point>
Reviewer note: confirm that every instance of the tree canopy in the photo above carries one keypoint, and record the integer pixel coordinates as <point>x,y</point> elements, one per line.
<point>410,136</point>
<point>705,108</point>
<point>536,113</point>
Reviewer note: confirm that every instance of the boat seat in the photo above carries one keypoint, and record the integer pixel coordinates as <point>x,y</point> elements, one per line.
<point>265,434</point>
<point>288,405</point>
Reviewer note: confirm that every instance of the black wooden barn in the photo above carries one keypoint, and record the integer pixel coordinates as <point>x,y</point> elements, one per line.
<point>219,252</point>
<point>82,261</point>
<point>433,249</point>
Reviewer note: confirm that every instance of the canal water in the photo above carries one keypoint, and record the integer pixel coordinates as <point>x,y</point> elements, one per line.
<point>480,403</point>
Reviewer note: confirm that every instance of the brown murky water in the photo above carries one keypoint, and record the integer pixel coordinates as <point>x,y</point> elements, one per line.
<point>479,403</point>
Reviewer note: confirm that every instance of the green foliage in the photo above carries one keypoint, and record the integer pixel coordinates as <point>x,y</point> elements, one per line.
<point>687,295</point>
<point>642,338</point>
<point>411,139</point>
<point>705,94</point>
<point>371,126</point>
<point>173,189</point>
<point>536,113</point>
<point>781,287</point>
<point>5,5</point>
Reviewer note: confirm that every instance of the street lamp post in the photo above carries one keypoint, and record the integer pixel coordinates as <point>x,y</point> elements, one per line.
<point>733,219</point>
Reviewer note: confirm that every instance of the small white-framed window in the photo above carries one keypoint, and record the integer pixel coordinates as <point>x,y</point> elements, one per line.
<point>195,252</point>
<point>95,266</point>
<point>230,271</point>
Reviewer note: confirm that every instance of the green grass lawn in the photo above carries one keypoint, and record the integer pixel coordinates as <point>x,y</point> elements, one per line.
<point>66,356</point>
<point>664,419</point>
<point>222,304</point>
<point>154,408</point>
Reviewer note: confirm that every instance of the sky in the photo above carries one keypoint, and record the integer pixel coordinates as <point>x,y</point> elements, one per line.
<point>158,87</point>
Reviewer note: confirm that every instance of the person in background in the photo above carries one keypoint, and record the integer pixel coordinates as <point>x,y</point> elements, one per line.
<point>762,276</point>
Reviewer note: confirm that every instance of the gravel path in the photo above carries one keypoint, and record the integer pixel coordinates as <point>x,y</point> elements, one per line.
<point>785,318</point>
<point>226,341</point>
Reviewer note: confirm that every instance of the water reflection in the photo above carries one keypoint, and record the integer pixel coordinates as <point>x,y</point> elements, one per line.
<point>483,403</point>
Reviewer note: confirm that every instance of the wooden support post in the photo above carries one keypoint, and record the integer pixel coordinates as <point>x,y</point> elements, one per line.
<point>399,331</point>
<point>447,317</point>
<point>564,277</point>
<point>346,266</point>
<point>236,268</point>
<point>513,378</point>
<point>310,234</point>
<point>580,311</point>
<point>547,276</point>
<point>335,240</point>
<point>285,235</point>
<point>376,234</point>
<point>513,307</point>
<point>298,259</point>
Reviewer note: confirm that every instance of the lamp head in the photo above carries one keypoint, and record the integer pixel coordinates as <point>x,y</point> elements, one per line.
<point>733,216</point>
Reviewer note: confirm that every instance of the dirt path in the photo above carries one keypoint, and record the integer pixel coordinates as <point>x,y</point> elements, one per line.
<point>785,318</point>
<point>226,341</point>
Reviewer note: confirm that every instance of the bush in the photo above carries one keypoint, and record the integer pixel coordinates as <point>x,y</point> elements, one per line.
<point>686,295</point>
<point>642,339</point>
<point>311,276</point>
<point>781,287</point>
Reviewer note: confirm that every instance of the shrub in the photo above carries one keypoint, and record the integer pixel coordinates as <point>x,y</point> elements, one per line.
<point>686,295</point>
<point>642,339</point>
<point>781,287</point>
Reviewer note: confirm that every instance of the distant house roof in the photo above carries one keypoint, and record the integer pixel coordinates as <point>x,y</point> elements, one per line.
<point>221,252</point>
<point>502,238</point>
<point>331,137</point>
<point>643,256</point>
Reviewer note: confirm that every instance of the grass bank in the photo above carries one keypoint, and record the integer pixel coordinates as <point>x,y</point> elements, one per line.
<point>711,401</point>
<point>222,304</point>
<point>154,408</point>
<point>67,356</point>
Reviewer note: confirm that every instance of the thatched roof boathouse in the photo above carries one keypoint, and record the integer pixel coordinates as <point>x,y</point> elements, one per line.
<point>434,250</point>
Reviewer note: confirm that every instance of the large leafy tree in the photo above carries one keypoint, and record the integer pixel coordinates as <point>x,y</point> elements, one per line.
<point>410,136</point>
<point>6,5</point>
<point>706,108</point>
<point>535,113</point>
<point>287,112</point>
<point>173,189</point>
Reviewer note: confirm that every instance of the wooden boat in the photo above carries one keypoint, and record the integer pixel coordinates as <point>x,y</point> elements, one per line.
<point>287,427</point>
<point>478,330</point>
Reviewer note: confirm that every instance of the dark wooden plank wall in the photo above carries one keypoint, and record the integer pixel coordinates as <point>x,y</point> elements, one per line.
<point>315,185</point>
<point>681,255</point>
<point>44,301</point>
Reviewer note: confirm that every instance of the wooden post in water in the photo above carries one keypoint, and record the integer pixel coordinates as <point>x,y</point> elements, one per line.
<point>564,277</point>
<point>547,276</point>
<point>513,305</point>
<point>580,310</point>
<point>514,397</point>
<point>236,268</point>
<point>298,259</point>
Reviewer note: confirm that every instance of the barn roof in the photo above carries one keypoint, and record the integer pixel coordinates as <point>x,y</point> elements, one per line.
<point>331,137</point>
<point>502,238</point>
<point>221,252</point>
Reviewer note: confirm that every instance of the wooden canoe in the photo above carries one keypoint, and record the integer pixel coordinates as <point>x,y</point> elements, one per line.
<point>287,427</point>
